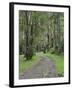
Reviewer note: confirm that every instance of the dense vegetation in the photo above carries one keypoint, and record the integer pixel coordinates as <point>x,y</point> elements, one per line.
<point>41,32</point>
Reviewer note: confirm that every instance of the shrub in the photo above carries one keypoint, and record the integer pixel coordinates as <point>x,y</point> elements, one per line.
<point>52,50</point>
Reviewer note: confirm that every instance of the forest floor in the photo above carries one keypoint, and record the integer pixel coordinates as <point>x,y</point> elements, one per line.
<point>43,69</point>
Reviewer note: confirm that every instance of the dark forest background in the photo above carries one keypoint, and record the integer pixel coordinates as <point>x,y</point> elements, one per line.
<point>40,32</point>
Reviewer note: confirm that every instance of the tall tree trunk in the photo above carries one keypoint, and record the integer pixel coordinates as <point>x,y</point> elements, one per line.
<point>27,34</point>
<point>59,32</point>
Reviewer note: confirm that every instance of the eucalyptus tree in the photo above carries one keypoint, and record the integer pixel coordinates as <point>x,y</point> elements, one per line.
<point>40,31</point>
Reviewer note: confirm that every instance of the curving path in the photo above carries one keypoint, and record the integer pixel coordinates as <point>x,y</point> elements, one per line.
<point>45,68</point>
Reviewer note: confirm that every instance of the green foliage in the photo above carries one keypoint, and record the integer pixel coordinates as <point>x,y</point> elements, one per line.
<point>52,50</point>
<point>40,31</point>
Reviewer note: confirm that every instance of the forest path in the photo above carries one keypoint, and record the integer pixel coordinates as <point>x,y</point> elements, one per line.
<point>45,68</point>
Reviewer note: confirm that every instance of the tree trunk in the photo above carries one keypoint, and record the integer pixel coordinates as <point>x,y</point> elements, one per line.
<point>27,34</point>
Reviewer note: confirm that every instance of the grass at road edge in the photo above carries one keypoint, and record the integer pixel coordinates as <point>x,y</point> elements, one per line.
<point>26,64</point>
<point>59,61</point>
